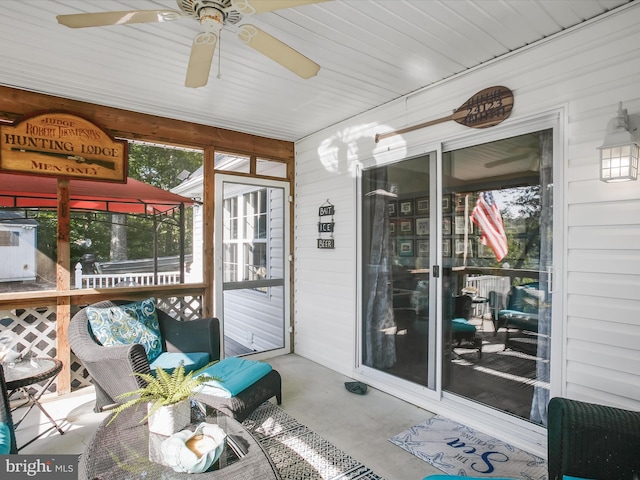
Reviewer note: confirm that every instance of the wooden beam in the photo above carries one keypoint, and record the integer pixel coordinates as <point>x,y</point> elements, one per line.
<point>139,126</point>
<point>208,246</point>
<point>63,280</point>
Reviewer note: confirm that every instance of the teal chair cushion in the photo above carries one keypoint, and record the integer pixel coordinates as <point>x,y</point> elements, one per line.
<point>168,361</point>
<point>5,439</point>
<point>461,325</point>
<point>135,322</point>
<point>233,375</point>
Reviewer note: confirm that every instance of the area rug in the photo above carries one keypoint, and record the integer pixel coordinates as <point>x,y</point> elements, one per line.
<point>298,452</point>
<point>459,450</point>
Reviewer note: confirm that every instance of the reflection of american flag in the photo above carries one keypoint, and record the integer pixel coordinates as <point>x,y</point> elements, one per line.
<point>486,216</point>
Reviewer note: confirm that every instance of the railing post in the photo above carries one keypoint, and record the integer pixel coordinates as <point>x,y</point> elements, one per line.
<point>78,275</point>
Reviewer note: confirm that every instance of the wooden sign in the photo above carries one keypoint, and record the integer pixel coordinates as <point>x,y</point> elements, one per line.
<point>62,145</point>
<point>487,108</point>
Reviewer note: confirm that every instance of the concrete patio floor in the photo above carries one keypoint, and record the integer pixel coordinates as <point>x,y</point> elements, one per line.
<point>360,425</point>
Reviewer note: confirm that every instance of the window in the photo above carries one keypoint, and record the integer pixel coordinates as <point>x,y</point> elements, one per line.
<point>245,237</point>
<point>9,239</point>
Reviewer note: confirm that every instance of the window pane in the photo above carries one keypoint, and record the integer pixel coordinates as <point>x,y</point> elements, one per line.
<point>271,168</point>
<point>497,234</point>
<point>396,233</point>
<point>230,219</point>
<point>230,262</point>
<point>232,163</point>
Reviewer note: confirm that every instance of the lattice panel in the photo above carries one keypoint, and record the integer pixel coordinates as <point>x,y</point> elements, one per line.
<point>186,308</point>
<point>35,327</point>
<point>38,326</point>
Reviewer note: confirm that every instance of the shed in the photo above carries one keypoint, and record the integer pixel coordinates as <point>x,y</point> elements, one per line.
<point>18,237</point>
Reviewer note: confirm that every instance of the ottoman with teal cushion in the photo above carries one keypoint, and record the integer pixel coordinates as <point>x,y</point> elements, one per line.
<point>245,385</point>
<point>465,332</point>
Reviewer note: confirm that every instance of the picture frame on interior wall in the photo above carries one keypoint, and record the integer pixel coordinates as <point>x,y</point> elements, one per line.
<point>405,248</point>
<point>460,247</point>
<point>422,206</point>
<point>460,224</point>
<point>446,203</point>
<point>461,202</point>
<point>406,208</point>
<point>422,248</point>
<point>392,228</point>
<point>406,226</point>
<point>446,225</point>
<point>422,226</point>
<point>446,247</point>
<point>393,209</point>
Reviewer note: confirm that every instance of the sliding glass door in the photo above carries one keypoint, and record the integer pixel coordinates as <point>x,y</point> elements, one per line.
<point>398,227</point>
<point>496,297</point>
<point>456,272</point>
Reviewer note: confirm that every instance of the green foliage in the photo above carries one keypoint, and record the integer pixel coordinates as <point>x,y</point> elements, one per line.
<point>160,166</point>
<point>524,227</point>
<point>154,165</point>
<point>164,389</point>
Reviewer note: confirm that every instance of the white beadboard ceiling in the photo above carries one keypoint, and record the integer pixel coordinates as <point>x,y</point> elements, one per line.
<point>370,52</point>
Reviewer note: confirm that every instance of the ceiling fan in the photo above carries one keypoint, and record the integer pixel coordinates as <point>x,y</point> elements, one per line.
<point>213,15</point>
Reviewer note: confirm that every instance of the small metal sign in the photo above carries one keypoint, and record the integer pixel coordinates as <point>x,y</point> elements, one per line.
<point>326,243</point>
<point>325,227</point>
<point>325,210</point>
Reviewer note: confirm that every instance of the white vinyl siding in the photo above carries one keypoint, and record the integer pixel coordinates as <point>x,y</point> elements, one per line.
<point>580,77</point>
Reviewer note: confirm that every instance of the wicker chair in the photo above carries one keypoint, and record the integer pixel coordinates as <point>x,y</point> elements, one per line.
<point>586,440</point>
<point>111,368</point>
<point>5,413</point>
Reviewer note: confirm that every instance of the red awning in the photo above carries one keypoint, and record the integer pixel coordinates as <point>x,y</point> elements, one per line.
<point>22,191</point>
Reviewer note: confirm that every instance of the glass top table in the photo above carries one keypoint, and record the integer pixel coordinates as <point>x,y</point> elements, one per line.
<point>120,451</point>
<point>29,371</point>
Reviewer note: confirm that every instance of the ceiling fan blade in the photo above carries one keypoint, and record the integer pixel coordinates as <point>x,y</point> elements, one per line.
<point>250,7</point>
<point>99,19</point>
<point>278,51</point>
<point>202,50</point>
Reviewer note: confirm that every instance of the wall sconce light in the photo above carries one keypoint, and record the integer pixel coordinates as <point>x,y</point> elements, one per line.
<point>620,151</point>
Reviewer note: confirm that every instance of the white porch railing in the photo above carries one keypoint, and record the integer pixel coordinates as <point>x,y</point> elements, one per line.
<point>487,283</point>
<point>110,280</point>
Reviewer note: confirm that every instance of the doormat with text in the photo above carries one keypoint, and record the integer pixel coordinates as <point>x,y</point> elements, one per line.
<point>459,450</point>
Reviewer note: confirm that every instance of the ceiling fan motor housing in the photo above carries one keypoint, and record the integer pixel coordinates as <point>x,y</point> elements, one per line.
<point>211,13</point>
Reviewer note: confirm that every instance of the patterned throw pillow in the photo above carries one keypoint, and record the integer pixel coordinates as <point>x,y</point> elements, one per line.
<point>135,322</point>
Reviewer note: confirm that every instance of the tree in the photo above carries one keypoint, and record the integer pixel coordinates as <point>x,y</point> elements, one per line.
<point>161,167</point>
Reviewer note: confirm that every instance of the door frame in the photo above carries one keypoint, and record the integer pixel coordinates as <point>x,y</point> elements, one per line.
<point>218,287</point>
<point>519,432</point>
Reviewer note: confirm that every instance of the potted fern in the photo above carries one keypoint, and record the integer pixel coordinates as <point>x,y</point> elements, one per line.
<point>167,398</point>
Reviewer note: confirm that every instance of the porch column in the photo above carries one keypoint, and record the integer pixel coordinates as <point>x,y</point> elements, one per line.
<point>63,281</point>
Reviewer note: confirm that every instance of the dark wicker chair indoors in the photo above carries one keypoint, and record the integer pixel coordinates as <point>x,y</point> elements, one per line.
<point>111,368</point>
<point>7,434</point>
